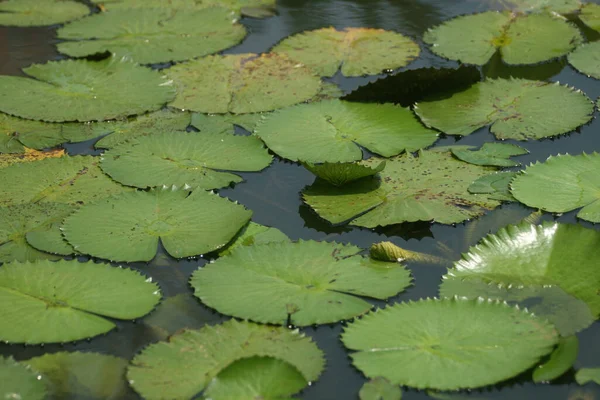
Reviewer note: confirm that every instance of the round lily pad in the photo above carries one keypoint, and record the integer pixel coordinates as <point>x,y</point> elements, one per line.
<point>252,234</point>
<point>339,174</point>
<point>185,364</point>
<point>429,187</point>
<point>332,130</point>
<point>49,302</point>
<point>300,283</point>
<point>241,83</point>
<point>79,90</point>
<point>515,108</point>
<point>225,123</point>
<point>128,227</point>
<point>152,35</point>
<point>356,51</point>
<point>379,389</point>
<point>38,13</point>
<point>560,184</point>
<point>448,344</point>
<point>587,375</point>
<point>495,186</point>
<point>586,59</point>
<point>19,382</point>
<point>492,154</point>
<point>590,15</point>
<point>558,6</point>
<point>195,159</point>
<point>520,38</point>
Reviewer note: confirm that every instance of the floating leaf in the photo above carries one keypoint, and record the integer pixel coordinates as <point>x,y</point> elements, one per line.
<point>561,360</point>
<point>520,38</point>
<point>256,378</point>
<point>558,6</point>
<point>128,227</point>
<point>586,375</point>
<point>185,158</point>
<point>495,186</point>
<point>562,183</point>
<point>252,234</point>
<point>18,382</point>
<point>515,108</point>
<point>586,59</point>
<point>448,344</point>
<point>82,375</point>
<point>432,186</point>
<point>339,174</point>
<point>28,155</point>
<point>224,123</point>
<point>49,302</point>
<point>301,283</point>
<point>38,13</point>
<point>331,131</point>
<point>184,366</point>
<point>79,90</point>
<point>356,51</point>
<point>69,180</point>
<point>493,154</point>
<point>152,35</point>
<point>590,15</point>
<point>379,389</point>
<point>241,83</point>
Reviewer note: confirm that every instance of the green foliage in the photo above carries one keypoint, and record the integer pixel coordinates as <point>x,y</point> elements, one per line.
<point>560,361</point>
<point>250,8</point>
<point>252,234</point>
<point>38,13</point>
<point>225,123</point>
<point>339,174</point>
<point>19,382</point>
<point>586,375</point>
<point>495,186</point>
<point>586,59</point>
<point>558,6</point>
<point>379,389</point>
<point>492,154</point>
<point>590,15</point>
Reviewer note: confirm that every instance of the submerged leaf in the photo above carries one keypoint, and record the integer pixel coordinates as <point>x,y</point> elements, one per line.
<point>185,365</point>
<point>331,131</point>
<point>252,234</point>
<point>492,154</point>
<point>379,389</point>
<point>496,186</point>
<point>50,302</point>
<point>241,83</point>
<point>251,8</point>
<point>339,174</point>
<point>515,108</point>
<point>39,13</point>
<point>561,360</point>
<point>79,90</point>
<point>590,15</point>
<point>409,343</point>
<point>586,59</point>
<point>356,51</point>
<point>520,38</point>
<point>19,382</point>
<point>300,283</point>
<point>152,35</point>
<point>586,375</point>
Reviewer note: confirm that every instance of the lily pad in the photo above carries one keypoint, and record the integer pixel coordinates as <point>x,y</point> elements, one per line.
<point>429,187</point>
<point>152,35</point>
<point>562,183</point>
<point>29,155</point>
<point>379,389</point>
<point>544,254</point>
<point>301,283</point>
<point>225,123</point>
<point>586,59</point>
<point>520,38</point>
<point>68,180</point>
<point>586,375</point>
<point>561,360</point>
<point>495,186</point>
<point>128,227</point>
<point>39,13</point>
<point>409,344</point>
<point>19,382</point>
<point>195,159</point>
<point>331,131</point>
<point>339,174</point>
<point>515,108</point>
<point>252,234</point>
<point>558,6</point>
<point>82,375</point>
<point>241,83</point>
<point>79,90</point>
<point>354,51</point>
<point>186,364</point>
<point>50,302</point>
<point>590,15</point>
<point>492,154</point>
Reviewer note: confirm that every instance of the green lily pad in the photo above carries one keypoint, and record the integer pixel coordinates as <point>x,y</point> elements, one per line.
<point>495,186</point>
<point>79,90</point>
<point>29,155</point>
<point>62,301</point>
<point>82,375</point>
<point>339,174</point>
<point>492,154</point>
<point>586,375</point>
<point>68,180</point>
<point>241,83</point>
<point>379,389</point>
<point>301,283</point>
<point>586,59</point>
<point>19,382</point>
<point>252,234</point>
<point>558,6</point>
<point>152,35</point>
<point>39,13</point>
<point>520,38</point>
<point>195,159</point>
<point>128,227</point>
<point>409,344</point>
<point>544,254</point>
<point>515,108</point>
<point>225,123</point>
<point>354,51</point>
<point>256,378</point>
<point>331,131</point>
<point>251,8</point>
<point>186,364</point>
<point>42,221</point>
<point>429,187</point>
<point>590,15</point>
<point>561,360</point>
<point>562,183</point>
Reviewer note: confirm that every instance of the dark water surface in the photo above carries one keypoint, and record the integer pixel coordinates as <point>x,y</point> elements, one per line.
<point>274,196</point>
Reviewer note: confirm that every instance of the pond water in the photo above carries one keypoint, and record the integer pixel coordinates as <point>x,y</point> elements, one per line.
<point>274,196</point>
